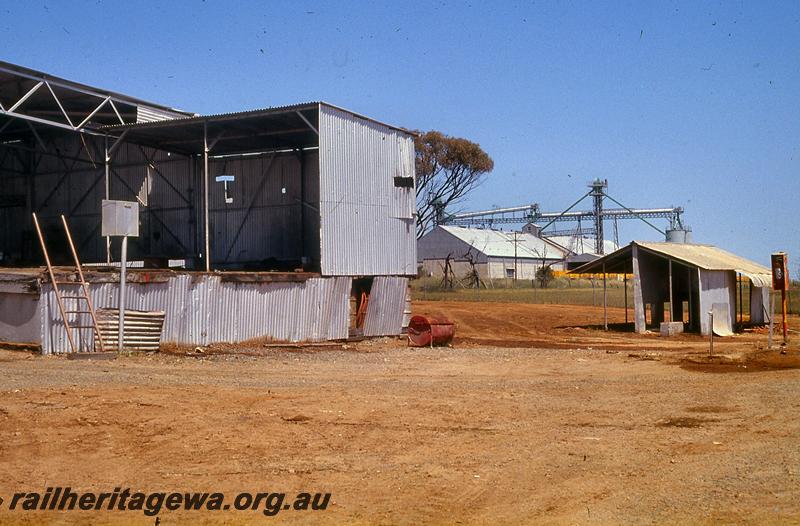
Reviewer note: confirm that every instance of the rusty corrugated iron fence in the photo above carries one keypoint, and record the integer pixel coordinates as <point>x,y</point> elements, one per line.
<point>204,309</point>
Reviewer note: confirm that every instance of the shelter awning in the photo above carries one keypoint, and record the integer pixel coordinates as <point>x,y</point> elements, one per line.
<point>706,257</point>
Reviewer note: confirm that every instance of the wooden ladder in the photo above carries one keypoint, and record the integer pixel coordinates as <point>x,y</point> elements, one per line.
<point>83,292</point>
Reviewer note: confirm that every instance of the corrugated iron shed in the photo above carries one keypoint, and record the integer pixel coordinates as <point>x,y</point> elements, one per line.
<point>367,221</point>
<point>706,257</point>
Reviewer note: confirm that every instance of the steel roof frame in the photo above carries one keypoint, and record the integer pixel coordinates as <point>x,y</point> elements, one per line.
<point>48,81</point>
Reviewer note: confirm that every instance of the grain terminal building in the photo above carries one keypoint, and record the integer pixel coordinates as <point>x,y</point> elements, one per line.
<point>320,209</point>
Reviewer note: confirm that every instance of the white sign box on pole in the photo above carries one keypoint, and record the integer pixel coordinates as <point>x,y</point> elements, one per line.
<point>120,218</point>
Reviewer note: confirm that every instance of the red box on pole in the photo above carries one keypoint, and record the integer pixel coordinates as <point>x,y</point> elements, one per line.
<point>780,274</point>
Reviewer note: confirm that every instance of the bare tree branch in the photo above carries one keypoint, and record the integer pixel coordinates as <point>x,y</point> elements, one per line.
<point>447,169</point>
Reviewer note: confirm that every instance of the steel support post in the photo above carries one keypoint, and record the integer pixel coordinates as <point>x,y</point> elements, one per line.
<point>711,332</point>
<point>671,298</point>
<point>516,270</point>
<point>107,158</point>
<point>783,317</point>
<point>741,299</point>
<point>207,246</point>
<point>122,278</point>
<point>625,288</point>
<point>605,301</point>
<point>690,316</point>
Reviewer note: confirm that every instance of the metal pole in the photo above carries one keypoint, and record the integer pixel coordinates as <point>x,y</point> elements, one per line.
<point>784,305</point>
<point>625,286</point>
<point>771,317</point>
<point>122,278</point>
<point>205,197</point>
<point>516,270</point>
<point>671,304</point>
<point>303,212</point>
<point>711,332</point>
<point>108,193</point>
<point>605,303</point>
<point>690,316</point>
<point>741,305</point>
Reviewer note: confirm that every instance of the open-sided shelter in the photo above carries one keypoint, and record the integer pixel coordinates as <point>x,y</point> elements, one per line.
<point>703,278</point>
<point>318,206</point>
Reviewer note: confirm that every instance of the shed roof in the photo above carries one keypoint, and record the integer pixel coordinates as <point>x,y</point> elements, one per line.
<point>228,133</point>
<point>706,257</point>
<point>293,126</point>
<point>497,243</point>
<point>581,244</point>
<point>35,96</point>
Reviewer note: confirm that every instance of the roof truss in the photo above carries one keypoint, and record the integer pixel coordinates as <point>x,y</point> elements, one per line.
<point>40,98</point>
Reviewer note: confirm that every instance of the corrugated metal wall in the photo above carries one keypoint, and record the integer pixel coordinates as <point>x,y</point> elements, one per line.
<point>355,221</point>
<point>72,185</point>
<point>266,211</point>
<point>20,318</point>
<point>150,114</point>
<point>165,186</point>
<point>14,165</point>
<point>387,301</point>
<point>169,188</point>
<point>202,309</point>
<point>438,243</point>
<point>716,286</point>
<point>524,268</point>
<point>361,231</point>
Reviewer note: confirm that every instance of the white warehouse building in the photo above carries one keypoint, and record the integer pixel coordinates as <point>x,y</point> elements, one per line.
<point>495,254</point>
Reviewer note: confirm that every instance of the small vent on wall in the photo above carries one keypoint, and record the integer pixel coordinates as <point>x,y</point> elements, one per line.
<point>404,182</point>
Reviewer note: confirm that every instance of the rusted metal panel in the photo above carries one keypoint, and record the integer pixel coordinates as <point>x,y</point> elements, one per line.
<point>204,309</point>
<point>387,302</point>
<point>359,202</point>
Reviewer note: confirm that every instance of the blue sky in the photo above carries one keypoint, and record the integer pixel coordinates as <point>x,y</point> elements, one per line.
<point>689,104</point>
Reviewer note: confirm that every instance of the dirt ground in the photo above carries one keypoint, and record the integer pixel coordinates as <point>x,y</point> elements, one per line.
<point>571,327</point>
<point>526,419</point>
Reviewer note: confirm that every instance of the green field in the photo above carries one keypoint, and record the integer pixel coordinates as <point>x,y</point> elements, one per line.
<point>560,291</point>
<point>577,295</point>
